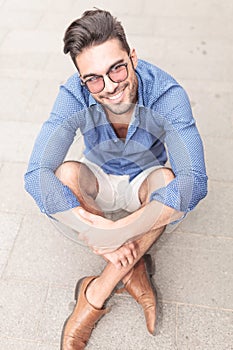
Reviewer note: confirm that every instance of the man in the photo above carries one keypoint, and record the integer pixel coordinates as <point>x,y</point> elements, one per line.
<point>126,110</point>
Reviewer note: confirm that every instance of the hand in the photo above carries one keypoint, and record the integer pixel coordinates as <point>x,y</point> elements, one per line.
<point>121,257</point>
<point>94,220</point>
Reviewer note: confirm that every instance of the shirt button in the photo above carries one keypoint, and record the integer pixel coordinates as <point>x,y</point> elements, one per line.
<point>115,140</point>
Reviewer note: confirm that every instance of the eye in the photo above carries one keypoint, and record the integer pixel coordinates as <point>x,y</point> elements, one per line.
<point>118,68</point>
<point>93,80</point>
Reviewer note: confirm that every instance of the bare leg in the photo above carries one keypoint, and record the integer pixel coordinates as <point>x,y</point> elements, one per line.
<point>79,178</point>
<point>101,288</point>
<point>82,182</point>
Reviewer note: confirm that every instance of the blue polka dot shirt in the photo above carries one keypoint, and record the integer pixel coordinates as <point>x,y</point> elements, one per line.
<point>161,128</point>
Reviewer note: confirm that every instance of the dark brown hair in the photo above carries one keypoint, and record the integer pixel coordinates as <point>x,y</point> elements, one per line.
<point>93,28</point>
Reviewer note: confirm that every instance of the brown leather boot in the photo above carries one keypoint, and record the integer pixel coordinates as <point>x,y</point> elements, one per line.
<point>79,325</point>
<point>141,289</point>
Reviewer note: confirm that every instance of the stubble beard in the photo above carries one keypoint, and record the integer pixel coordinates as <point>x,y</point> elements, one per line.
<point>123,107</point>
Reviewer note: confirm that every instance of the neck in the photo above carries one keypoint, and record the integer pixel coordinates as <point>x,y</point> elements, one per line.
<point>123,118</point>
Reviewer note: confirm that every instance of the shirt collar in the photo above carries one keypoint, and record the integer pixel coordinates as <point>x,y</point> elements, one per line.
<point>91,101</point>
<point>140,91</point>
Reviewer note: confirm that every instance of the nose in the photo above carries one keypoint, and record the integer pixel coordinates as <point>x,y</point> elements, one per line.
<point>110,86</point>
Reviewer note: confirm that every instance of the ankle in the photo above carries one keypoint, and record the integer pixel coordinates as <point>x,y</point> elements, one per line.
<point>127,277</point>
<point>95,295</point>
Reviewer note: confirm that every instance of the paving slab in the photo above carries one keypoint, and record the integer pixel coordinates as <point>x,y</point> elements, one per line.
<point>61,65</point>
<point>194,269</point>
<point>203,328</point>
<point>20,137</point>
<point>54,314</point>
<point>26,5</point>
<point>215,222</point>
<point>23,302</point>
<point>129,332</point>
<point>192,26</point>
<point>182,8</point>
<point>3,33</point>
<point>4,255</point>
<point>27,41</point>
<point>22,91</point>
<point>119,8</point>
<point>13,344</point>
<point>61,16</point>
<point>47,346</point>
<point>200,56</point>
<point>10,224</point>
<point>18,65</point>
<point>212,113</point>
<point>55,259</point>
<point>14,198</point>
<point>59,6</point>
<point>155,48</point>
<point>19,20</point>
<point>38,109</point>
<point>218,160</point>
<point>139,25</point>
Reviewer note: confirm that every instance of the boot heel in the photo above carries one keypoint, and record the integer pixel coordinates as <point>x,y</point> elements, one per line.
<point>150,264</point>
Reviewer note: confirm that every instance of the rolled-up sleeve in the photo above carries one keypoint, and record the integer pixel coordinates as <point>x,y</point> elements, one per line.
<point>186,155</point>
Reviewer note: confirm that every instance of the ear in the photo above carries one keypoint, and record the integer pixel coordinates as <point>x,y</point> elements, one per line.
<point>134,58</point>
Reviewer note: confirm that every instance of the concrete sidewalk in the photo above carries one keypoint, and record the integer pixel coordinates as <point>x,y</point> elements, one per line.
<point>39,267</point>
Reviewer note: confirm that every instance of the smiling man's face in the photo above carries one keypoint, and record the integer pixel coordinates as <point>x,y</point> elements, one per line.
<point>117,98</point>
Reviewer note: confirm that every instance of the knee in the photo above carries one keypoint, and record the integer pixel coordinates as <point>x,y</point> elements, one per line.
<point>168,175</point>
<point>67,171</point>
<point>78,177</point>
<point>157,179</point>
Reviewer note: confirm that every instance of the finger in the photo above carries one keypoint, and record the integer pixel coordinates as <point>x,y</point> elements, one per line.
<point>130,253</point>
<point>114,260</point>
<point>118,265</point>
<point>124,262</point>
<point>135,253</point>
<point>133,249</point>
<point>130,259</point>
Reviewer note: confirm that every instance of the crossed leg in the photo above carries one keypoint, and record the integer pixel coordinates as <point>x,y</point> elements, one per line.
<point>82,182</point>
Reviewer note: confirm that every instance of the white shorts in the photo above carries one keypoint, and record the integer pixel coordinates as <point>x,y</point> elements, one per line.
<point>117,197</point>
<point>115,191</point>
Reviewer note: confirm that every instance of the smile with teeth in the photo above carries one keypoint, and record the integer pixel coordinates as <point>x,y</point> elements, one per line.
<point>116,96</point>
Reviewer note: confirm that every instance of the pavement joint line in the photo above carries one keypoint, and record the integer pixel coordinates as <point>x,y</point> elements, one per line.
<point>28,340</point>
<point>19,213</point>
<point>200,306</point>
<point>14,162</point>
<point>217,137</point>
<point>12,247</point>
<point>26,281</point>
<point>42,308</point>
<point>7,31</point>
<point>205,235</point>
<point>36,85</point>
<point>177,313</point>
<point>45,283</point>
<point>220,181</point>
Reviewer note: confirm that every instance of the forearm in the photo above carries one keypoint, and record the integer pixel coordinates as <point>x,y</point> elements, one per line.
<point>101,233</point>
<point>153,215</point>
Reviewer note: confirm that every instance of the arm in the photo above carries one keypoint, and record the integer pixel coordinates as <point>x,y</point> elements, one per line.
<point>50,148</point>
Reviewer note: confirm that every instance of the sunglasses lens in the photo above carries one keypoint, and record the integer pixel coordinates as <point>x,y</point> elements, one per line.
<point>117,74</point>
